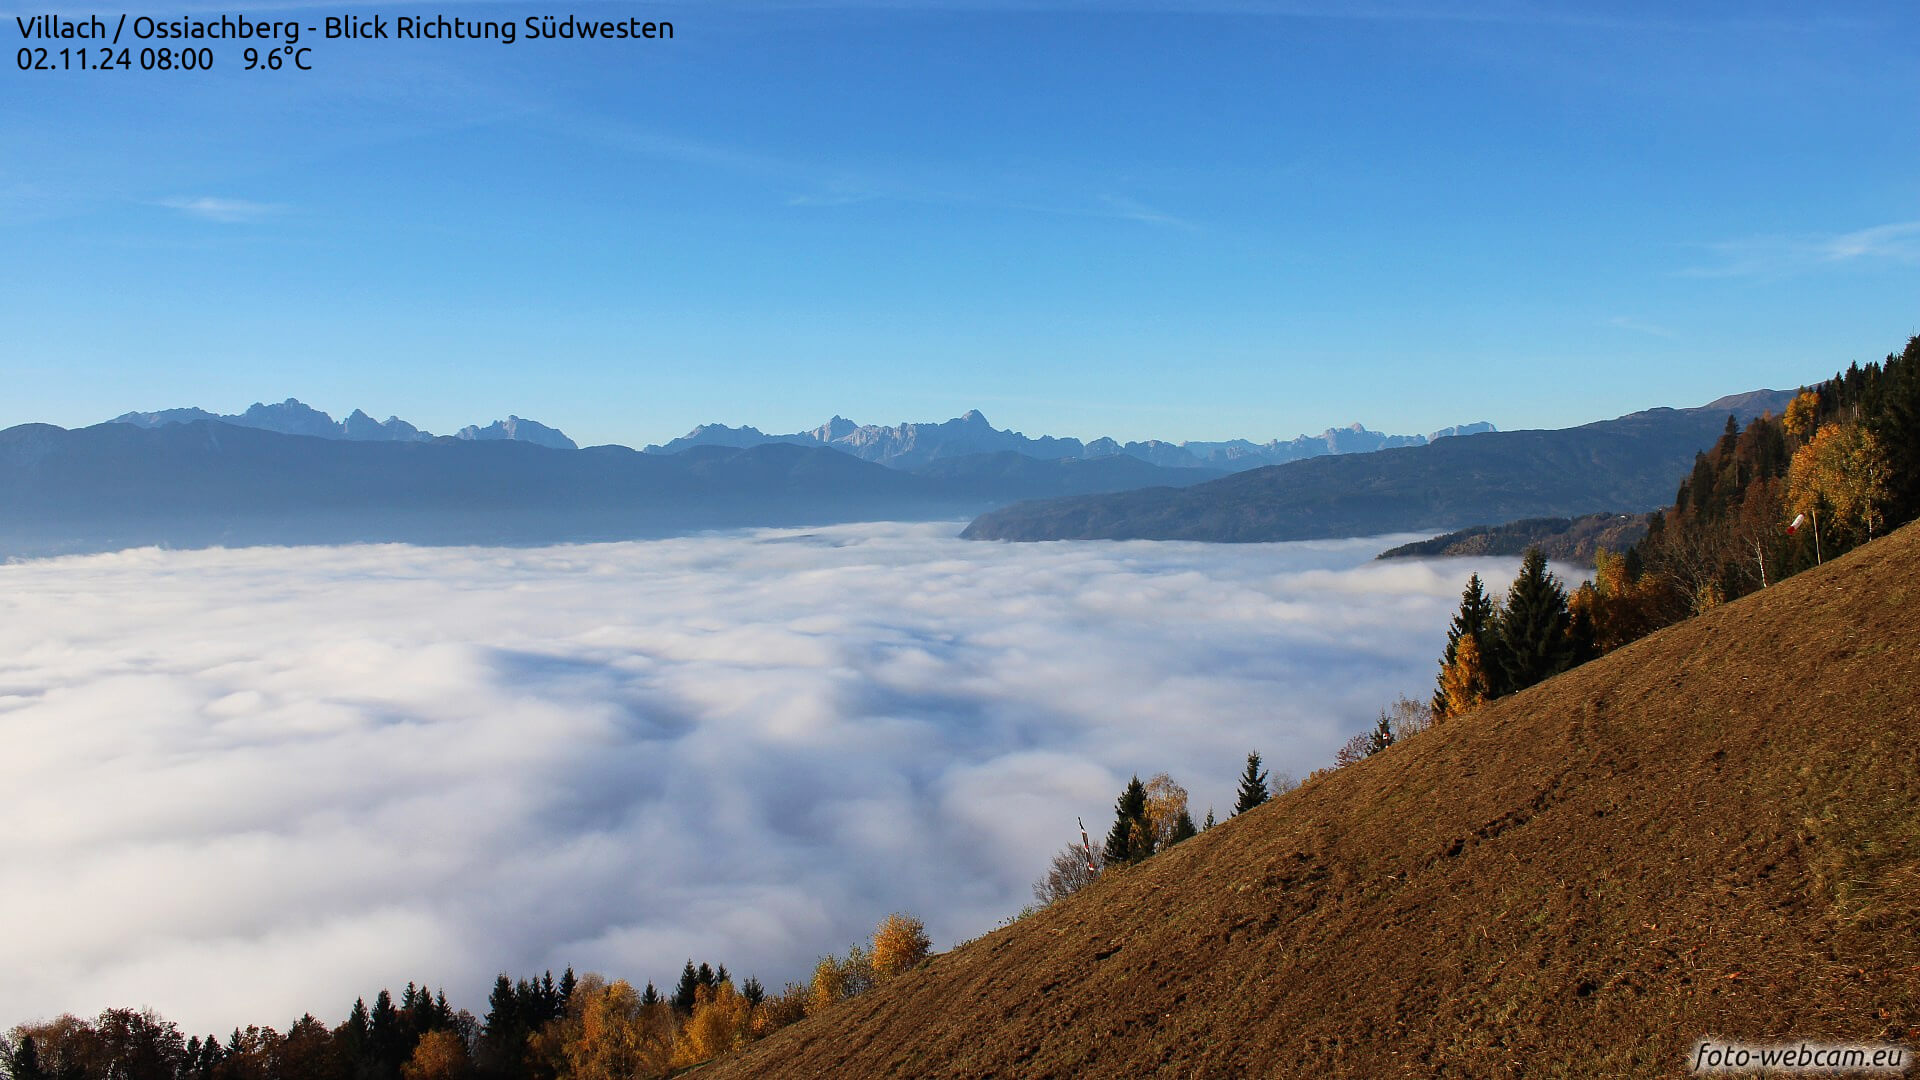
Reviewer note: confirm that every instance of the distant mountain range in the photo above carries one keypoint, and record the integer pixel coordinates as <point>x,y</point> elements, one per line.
<point>291,417</point>
<point>904,446</point>
<point>290,474</point>
<point>912,445</point>
<point>208,482</point>
<point>1630,464</point>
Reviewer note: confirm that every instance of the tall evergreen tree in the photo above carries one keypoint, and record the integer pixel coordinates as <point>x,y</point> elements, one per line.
<point>1253,785</point>
<point>503,1034</point>
<point>567,983</point>
<point>1474,619</point>
<point>1534,641</point>
<point>26,1061</point>
<point>1893,415</point>
<point>1382,736</point>
<point>687,992</point>
<point>1130,839</point>
<point>385,1051</point>
<point>650,996</point>
<point>753,992</point>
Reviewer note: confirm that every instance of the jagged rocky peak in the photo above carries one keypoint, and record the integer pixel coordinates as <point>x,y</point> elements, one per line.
<point>518,429</point>
<point>295,417</point>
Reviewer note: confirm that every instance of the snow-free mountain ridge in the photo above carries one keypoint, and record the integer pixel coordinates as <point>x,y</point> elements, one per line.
<point>293,417</point>
<point>901,446</point>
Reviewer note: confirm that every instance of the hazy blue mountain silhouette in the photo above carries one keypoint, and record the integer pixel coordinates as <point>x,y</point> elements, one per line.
<point>910,445</point>
<point>1628,464</point>
<point>207,482</point>
<point>293,417</point>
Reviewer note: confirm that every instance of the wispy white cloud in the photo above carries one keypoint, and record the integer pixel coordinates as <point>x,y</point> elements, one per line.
<point>1783,255</point>
<point>1641,326</point>
<point>240,785</point>
<point>225,211</point>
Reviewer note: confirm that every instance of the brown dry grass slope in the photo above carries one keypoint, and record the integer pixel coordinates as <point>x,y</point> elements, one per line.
<point>1713,831</point>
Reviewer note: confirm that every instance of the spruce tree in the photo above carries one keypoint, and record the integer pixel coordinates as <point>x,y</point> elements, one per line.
<point>1534,642</point>
<point>1253,785</point>
<point>386,1047</point>
<point>1207,824</point>
<point>26,1061</point>
<point>649,996</point>
<point>1473,619</point>
<point>752,991</point>
<point>685,994</point>
<point>1129,840</point>
<point>1382,736</point>
<point>567,983</point>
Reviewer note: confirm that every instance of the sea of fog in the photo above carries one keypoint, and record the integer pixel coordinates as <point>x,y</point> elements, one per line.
<point>242,785</point>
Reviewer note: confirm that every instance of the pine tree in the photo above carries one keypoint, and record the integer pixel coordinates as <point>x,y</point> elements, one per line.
<point>1474,619</point>
<point>1534,643</point>
<point>1382,736</point>
<point>1894,419</point>
<point>752,991</point>
<point>1253,785</point>
<point>567,983</point>
<point>26,1061</point>
<point>687,992</point>
<point>650,996</point>
<point>1130,839</point>
<point>706,976</point>
<point>1207,824</point>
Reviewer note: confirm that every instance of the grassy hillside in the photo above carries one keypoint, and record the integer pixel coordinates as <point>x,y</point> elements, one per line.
<point>1715,830</point>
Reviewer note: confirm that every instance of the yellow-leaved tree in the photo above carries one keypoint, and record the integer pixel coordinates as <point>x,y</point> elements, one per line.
<point>1803,412</point>
<point>1841,473</point>
<point>440,1055</point>
<point>718,1024</point>
<point>899,944</point>
<point>1463,683</point>
<point>609,1035</point>
<point>1167,816</point>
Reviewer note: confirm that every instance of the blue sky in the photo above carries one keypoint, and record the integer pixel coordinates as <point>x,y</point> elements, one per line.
<point>1166,220</point>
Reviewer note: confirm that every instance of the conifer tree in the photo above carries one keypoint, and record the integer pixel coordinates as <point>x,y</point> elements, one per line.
<point>1253,785</point>
<point>1382,736</point>
<point>567,983</point>
<point>650,996</point>
<point>687,992</point>
<point>1534,642</point>
<point>1474,619</point>
<point>753,991</point>
<point>1130,839</point>
<point>26,1061</point>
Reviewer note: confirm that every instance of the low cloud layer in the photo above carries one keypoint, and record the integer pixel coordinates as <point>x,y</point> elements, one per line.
<point>241,785</point>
